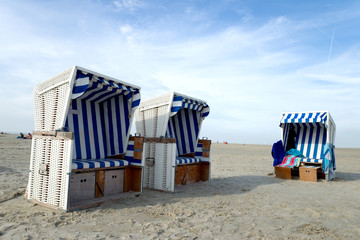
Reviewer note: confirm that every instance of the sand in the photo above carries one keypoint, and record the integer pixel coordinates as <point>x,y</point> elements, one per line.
<point>243,200</point>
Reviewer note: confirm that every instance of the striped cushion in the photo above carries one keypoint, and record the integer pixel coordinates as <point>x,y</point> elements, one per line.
<point>98,163</point>
<point>311,160</point>
<point>187,160</point>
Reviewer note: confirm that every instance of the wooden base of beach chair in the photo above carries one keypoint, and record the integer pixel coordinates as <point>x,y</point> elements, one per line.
<point>205,171</point>
<point>309,173</point>
<point>98,184</point>
<point>133,181</point>
<point>186,174</point>
<point>283,172</point>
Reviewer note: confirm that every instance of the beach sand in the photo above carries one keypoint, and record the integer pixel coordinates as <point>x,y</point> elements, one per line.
<point>243,200</point>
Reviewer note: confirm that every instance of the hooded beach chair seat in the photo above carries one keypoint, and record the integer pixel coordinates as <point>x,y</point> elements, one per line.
<point>171,124</point>
<point>82,151</point>
<point>310,133</point>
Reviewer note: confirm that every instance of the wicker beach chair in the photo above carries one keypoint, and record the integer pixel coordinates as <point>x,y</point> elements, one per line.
<point>82,153</point>
<point>312,135</point>
<point>171,126</point>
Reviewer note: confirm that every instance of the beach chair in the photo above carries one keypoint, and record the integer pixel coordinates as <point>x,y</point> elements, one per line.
<point>175,155</point>
<point>82,153</point>
<point>309,139</point>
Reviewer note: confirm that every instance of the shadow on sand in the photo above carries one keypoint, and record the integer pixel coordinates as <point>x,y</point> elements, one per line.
<point>217,187</point>
<point>345,176</point>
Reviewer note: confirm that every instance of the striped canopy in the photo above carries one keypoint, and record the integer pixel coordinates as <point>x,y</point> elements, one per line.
<point>185,122</point>
<point>98,89</point>
<point>310,118</point>
<point>100,116</point>
<point>310,131</point>
<point>180,102</point>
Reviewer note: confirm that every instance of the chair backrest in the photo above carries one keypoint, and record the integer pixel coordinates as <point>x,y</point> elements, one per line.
<point>185,122</point>
<point>100,127</point>
<point>310,140</point>
<point>184,127</point>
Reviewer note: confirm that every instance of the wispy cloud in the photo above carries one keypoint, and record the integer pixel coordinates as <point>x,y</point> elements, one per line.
<point>131,5</point>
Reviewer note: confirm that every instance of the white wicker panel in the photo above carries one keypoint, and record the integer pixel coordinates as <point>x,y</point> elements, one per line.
<point>50,188</point>
<point>50,102</point>
<point>148,168</point>
<point>147,119</point>
<point>161,175</point>
<point>162,120</point>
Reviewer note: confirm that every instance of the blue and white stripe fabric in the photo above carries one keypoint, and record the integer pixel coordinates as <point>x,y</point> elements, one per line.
<point>286,134</point>
<point>184,127</point>
<point>98,89</point>
<point>98,163</point>
<point>312,117</point>
<point>99,116</point>
<point>199,152</point>
<point>180,102</point>
<point>185,121</point>
<point>310,141</point>
<point>100,129</point>
<point>187,160</point>
<point>311,134</point>
<point>109,162</point>
<point>81,84</point>
<point>129,155</point>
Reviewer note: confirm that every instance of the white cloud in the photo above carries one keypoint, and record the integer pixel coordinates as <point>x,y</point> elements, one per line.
<point>131,5</point>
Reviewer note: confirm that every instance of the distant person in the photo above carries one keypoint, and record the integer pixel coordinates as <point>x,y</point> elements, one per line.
<point>29,136</point>
<point>21,136</point>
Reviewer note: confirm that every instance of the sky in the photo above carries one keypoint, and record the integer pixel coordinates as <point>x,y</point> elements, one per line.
<point>250,60</point>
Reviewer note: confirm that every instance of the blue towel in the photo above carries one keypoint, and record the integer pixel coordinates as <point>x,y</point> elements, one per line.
<point>329,157</point>
<point>278,152</point>
<point>294,152</point>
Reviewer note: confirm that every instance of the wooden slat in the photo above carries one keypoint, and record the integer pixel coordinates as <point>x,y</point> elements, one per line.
<point>120,156</point>
<point>205,146</point>
<point>205,171</point>
<point>138,147</point>
<point>132,179</point>
<point>51,134</point>
<point>283,172</point>
<point>161,140</point>
<point>99,183</point>
<point>96,169</point>
<point>189,155</point>
<point>187,174</point>
<point>180,173</point>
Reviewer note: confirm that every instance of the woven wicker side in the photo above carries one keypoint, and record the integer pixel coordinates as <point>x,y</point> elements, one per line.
<point>152,116</point>
<point>159,169</point>
<point>49,169</point>
<point>50,99</point>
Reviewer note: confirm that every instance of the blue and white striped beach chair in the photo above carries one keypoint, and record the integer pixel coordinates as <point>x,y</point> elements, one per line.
<point>314,133</point>
<point>171,124</point>
<point>82,152</point>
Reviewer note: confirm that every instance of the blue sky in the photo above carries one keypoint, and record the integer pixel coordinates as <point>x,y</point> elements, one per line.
<point>251,60</point>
